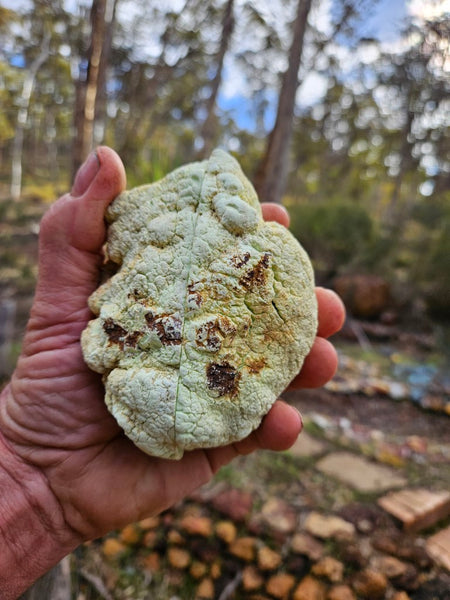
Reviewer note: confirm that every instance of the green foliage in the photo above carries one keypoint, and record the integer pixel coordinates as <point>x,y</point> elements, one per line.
<point>360,155</point>
<point>44,192</point>
<point>335,234</point>
<point>434,272</point>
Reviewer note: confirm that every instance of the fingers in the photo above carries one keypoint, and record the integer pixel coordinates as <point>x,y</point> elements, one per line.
<point>319,366</point>
<point>275,212</point>
<point>77,219</point>
<point>88,232</point>
<point>278,431</point>
<point>71,236</point>
<point>331,312</point>
<point>281,426</point>
<point>321,363</point>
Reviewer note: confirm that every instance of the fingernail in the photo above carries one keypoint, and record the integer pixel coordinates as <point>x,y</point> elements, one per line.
<point>297,413</point>
<point>85,175</point>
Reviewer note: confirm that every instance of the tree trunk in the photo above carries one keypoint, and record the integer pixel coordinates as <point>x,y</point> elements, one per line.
<point>395,210</point>
<point>22,117</point>
<point>87,90</point>
<point>270,178</point>
<point>7,322</point>
<point>101,99</point>
<point>209,127</point>
<point>54,585</point>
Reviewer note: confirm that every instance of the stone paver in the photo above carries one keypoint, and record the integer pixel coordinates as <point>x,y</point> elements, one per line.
<point>307,446</point>
<point>417,508</point>
<point>360,473</point>
<point>438,546</point>
<point>328,526</point>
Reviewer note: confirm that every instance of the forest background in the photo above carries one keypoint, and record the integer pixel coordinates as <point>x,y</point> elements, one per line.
<point>344,122</point>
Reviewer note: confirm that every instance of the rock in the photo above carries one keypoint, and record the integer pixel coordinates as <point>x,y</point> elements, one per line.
<point>365,296</point>
<point>206,550</point>
<point>309,588</point>
<point>409,580</point>
<point>303,543</point>
<point>280,585</point>
<point>403,575</point>
<point>175,537</point>
<point>198,569</point>
<point>279,516</point>
<point>131,534</point>
<point>174,577</point>
<point>243,548</point>
<point>216,570</point>
<point>268,559</point>
<point>205,590</point>
<point>386,541</point>
<point>359,473</point>
<point>418,444</point>
<point>370,584</point>
<point>405,547</point>
<point>234,503</point>
<point>415,551</point>
<point>113,548</point>
<point>365,517</point>
<point>434,589</point>
<point>341,592</point>
<point>297,564</point>
<point>401,596</point>
<point>178,558</point>
<point>328,526</point>
<point>330,568</point>
<point>353,554</point>
<point>149,523</point>
<point>252,579</point>
<point>150,538</point>
<point>226,531</point>
<point>197,525</point>
<point>152,562</point>
<point>306,445</point>
<point>390,566</point>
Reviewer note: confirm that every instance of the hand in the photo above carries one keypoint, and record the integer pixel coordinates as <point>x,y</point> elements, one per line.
<point>53,420</point>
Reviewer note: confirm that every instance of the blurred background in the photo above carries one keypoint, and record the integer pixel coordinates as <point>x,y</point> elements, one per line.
<point>339,109</point>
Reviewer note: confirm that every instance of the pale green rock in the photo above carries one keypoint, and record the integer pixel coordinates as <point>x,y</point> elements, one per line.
<point>209,316</point>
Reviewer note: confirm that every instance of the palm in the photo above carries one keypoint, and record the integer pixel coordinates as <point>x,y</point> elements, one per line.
<point>56,419</point>
<point>101,479</point>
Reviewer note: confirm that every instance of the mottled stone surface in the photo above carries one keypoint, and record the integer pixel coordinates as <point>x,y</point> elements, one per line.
<point>360,473</point>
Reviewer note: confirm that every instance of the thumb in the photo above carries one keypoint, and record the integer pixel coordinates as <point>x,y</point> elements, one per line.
<point>77,219</point>
<point>71,236</point>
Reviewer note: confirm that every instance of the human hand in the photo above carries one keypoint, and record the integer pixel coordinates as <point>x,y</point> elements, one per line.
<point>69,455</point>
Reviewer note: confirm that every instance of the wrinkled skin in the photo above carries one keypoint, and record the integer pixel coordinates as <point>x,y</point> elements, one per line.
<point>59,446</point>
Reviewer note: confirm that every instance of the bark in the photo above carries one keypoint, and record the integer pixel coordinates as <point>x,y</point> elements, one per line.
<point>209,127</point>
<point>54,585</point>
<point>270,178</point>
<point>394,212</point>
<point>101,99</point>
<point>142,121</point>
<point>87,90</point>
<point>7,322</point>
<point>22,117</point>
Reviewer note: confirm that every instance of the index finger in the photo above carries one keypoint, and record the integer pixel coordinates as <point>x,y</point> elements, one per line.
<point>331,312</point>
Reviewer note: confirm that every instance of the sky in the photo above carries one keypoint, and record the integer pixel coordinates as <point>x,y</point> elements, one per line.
<point>384,23</point>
